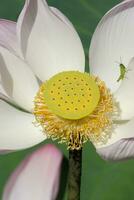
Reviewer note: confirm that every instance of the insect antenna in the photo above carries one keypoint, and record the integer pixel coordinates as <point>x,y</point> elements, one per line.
<point>121,60</point>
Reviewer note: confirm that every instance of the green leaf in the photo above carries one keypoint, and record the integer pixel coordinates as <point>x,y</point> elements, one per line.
<point>100,180</point>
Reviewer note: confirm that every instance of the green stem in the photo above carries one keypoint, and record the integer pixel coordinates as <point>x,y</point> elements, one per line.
<point>74,178</point>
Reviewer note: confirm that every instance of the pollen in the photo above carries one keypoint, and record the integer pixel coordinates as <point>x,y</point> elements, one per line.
<point>74,107</point>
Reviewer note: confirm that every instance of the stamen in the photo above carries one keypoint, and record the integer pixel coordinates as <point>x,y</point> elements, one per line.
<point>75,107</point>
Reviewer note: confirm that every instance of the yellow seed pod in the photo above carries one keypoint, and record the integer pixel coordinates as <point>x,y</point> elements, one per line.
<point>71,94</point>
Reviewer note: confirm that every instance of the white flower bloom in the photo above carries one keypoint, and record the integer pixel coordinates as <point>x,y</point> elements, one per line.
<point>43,43</point>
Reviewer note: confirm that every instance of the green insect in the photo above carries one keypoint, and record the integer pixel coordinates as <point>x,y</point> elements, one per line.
<point>123,71</point>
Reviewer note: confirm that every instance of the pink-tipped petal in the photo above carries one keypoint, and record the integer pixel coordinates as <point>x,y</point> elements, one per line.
<point>8,36</point>
<point>121,150</point>
<point>48,40</point>
<point>37,177</point>
<point>112,43</point>
<point>121,143</point>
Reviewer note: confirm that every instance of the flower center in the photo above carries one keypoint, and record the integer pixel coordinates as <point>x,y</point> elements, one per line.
<point>75,107</point>
<point>71,95</point>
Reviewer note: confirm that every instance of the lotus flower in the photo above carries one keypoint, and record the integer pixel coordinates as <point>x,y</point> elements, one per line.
<point>43,43</point>
<point>37,177</point>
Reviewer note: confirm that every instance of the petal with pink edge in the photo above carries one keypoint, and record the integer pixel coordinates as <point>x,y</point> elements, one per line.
<point>112,43</point>
<point>8,36</point>
<point>17,130</point>
<point>121,143</point>
<point>49,44</point>
<point>37,177</point>
<point>121,150</point>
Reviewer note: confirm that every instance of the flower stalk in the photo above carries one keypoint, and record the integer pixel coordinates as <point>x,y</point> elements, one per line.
<point>74,177</point>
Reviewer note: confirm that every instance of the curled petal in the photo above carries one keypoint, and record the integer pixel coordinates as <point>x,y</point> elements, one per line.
<point>48,40</point>
<point>17,79</point>
<point>17,130</point>
<point>121,143</point>
<point>112,43</point>
<point>37,177</point>
<point>125,95</point>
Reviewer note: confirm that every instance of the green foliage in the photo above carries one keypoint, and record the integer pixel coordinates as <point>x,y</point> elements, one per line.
<point>100,180</point>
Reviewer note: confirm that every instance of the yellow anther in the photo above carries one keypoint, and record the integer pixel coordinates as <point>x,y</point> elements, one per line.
<point>71,95</point>
<point>75,107</point>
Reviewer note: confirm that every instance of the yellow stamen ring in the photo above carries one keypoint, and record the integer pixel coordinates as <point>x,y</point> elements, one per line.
<point>74,127</point>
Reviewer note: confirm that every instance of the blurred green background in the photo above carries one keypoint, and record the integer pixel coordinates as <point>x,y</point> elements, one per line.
<point>100,180</point>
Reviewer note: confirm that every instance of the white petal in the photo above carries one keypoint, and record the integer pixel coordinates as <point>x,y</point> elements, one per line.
<point>49,44</point>
<point>8,36</point>
<point>120,145</point>
<point>5,97</point>
<point>37,177</point>
<point>121,150</point>
<point>17,79</point>
<point>113,42</point>
<point>125,95</point>
<point>17,130</point>
<point>2,91</point>
<point>20,20</point>
<point>62,17</point>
